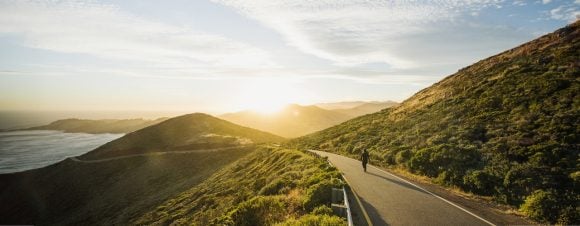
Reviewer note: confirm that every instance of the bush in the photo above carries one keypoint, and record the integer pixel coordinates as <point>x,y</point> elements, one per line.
<point>322,210</point>
<point>318,194</point>
<point>541,206</point>
<point>403,156</point>
<point>479,182</point>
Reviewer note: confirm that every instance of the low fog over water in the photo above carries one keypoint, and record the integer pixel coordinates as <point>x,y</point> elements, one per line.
<point>24,150</point>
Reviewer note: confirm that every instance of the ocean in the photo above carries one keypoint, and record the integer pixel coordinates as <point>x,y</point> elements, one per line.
<point>25,150</point>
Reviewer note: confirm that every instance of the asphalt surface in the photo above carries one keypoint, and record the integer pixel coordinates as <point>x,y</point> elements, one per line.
<point>389,200</point>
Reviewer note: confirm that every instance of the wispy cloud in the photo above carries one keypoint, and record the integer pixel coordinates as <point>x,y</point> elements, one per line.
<point>104,31</point>
<point>401,33</point>
<point>568,12</point>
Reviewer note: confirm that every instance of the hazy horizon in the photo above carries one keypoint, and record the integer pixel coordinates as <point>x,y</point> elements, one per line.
<point>18,119</point>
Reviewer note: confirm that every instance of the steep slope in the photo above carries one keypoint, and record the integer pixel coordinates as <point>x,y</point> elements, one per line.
<point>98,126</point>
<point>506,127</point>
<point>292,121</point>
<point>187,132</point>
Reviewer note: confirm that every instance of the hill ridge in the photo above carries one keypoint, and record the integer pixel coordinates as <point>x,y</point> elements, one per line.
<point>185,132</point>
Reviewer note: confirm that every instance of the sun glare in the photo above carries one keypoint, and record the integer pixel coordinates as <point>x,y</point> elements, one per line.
<point>267,96</point>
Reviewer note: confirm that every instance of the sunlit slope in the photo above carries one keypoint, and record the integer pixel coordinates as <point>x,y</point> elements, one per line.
<point>263,188</point>
<point>98,126</point>
<point>187,132</point>
<point>104,193</point>
<point>506,126</point>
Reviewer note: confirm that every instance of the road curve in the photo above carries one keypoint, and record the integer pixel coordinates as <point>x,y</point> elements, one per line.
<point>390,200</point>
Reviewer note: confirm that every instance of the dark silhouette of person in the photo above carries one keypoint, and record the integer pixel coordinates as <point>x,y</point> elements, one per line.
<point>364,157</point>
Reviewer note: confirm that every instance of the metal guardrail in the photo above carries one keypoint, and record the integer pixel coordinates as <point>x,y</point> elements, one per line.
<point>348,212</point>
<point>346,204</point>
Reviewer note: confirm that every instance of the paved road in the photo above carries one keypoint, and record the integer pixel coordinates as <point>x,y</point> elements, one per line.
<point>390,200</point>
<point>76,159</point>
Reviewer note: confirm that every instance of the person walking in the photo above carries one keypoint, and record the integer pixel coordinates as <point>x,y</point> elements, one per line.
<point>364,157</point>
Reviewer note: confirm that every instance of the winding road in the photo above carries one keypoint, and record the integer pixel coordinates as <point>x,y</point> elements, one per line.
<point>391,200</point>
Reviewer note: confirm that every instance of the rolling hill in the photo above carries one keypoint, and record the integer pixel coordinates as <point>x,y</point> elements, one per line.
<point>505,127</point>
<point>187,132</point>
<point>131,180</point>
<point>98,126</point>
<point>297,120</point>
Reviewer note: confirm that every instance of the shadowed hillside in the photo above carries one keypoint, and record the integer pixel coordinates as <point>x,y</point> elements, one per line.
<point>98,126</point>
<point>505,127</point>
<point>104,193</point>
<point>187,132</point>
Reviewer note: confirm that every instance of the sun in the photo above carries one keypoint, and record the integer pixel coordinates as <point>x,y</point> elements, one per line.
<point>267,96</point>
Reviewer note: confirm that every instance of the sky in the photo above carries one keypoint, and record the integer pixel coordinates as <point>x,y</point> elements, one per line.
<point>220,56</point>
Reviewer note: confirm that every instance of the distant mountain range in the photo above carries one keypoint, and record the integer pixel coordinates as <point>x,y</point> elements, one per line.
<point>297,120</point>
<point>506,126</point>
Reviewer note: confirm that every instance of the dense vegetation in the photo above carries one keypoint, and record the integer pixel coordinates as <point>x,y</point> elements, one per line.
<point>296,120</point>
<point>187,132</point>
<point>284,187</point>
<point>98,126</point>
<point>507,127</point>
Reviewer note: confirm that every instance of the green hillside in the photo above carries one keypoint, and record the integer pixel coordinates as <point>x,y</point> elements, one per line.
<point>187,132</point>
<point>263,188</point>
<point>507,127</point>
<point>98,126</point>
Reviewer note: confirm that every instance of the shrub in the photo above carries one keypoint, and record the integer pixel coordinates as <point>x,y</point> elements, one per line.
<point>541,206</point>
<point>403,156</point>
<point>318,194</point>
<point>322,210</point>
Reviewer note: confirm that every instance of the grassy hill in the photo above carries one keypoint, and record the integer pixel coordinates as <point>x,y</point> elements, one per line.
<point>221,185</point>
<point>296,120</point>
<point>266,187</point>
<point>187,132</point>
<point>506,127</point>
<point>98,126</point>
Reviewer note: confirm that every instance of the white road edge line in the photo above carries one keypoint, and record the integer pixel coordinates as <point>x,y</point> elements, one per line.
<point>436,196</point>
